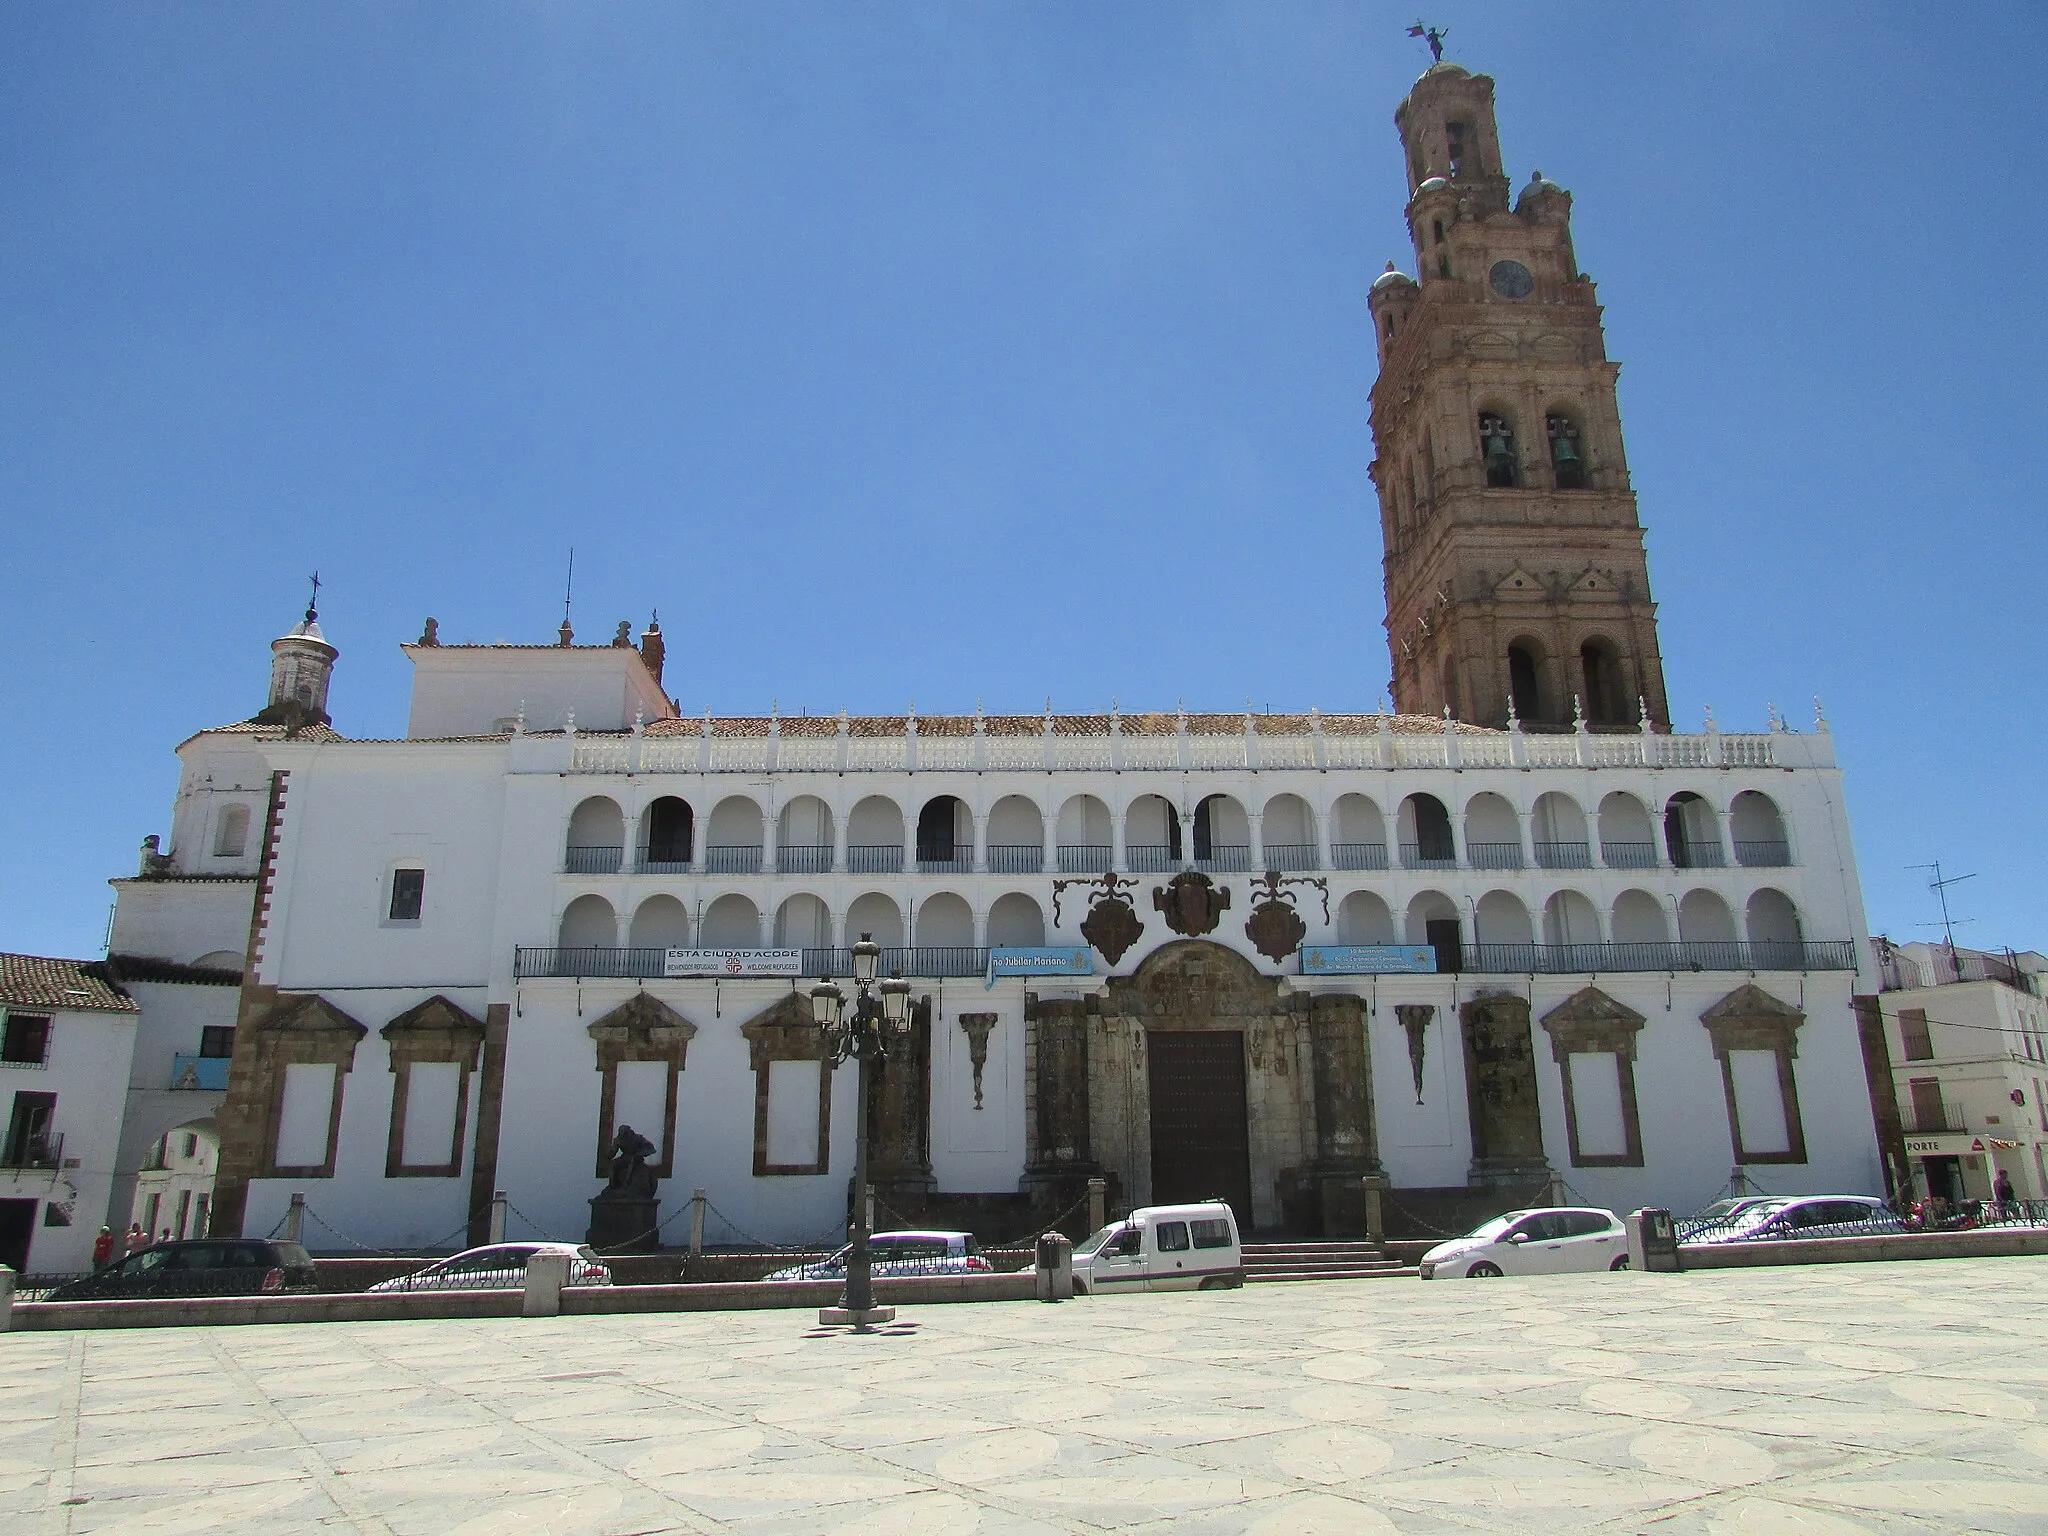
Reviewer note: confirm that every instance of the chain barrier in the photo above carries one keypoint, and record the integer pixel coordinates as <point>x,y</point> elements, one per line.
<point>826,1244</point>
<point>1028,1239</point>
<point>332,1231</point>
<point>540,1232</point>
<point>282,1222</point>
<point>1429,1227</point>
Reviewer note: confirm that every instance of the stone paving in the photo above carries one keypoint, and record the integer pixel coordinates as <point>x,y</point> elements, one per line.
<point>1837,1398</point>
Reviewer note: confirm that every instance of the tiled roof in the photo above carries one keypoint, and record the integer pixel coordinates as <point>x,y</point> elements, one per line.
<point>145,968</point>
<point>1144,724</point>
<point>34,981</point>
<point>275,732</point>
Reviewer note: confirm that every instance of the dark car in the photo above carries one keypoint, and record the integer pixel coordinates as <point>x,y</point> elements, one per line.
<point>238,1266</point>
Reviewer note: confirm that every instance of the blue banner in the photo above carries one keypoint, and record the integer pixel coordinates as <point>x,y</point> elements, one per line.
<point>1042,960</point>
<point>1368,960</point>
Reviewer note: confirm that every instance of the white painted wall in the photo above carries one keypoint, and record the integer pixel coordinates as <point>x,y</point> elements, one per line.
<point>88,1067</point>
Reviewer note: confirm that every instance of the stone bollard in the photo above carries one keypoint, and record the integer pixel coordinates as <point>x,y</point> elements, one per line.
<point>1098,1204</point>
<point>1652,1242</point>
<point>7,1278</point>
<point>546,1274</point>
<point>1055,1268</point>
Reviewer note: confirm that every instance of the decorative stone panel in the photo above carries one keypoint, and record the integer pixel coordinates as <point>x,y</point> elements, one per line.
<point>1589,1022</point>
<point>900,1109</point>
<point>643,1028</point>
<point>301,1030</point>
<point>788,1031</point>
<point>1500,1089</point>
<point>1750,1019</point>
<point>439,1031</point>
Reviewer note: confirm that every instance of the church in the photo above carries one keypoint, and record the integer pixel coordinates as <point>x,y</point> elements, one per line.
<point>1515,936</point>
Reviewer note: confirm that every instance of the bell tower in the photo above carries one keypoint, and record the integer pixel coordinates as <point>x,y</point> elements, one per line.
<point>1516,576</point>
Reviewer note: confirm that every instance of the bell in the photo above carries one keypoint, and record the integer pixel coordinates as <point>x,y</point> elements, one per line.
<point>1564,450</point>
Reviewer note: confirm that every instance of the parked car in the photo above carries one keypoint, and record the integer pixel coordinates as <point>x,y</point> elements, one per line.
<point>1801,1216</point>
<point>1162,1248</point>
<point>499,1267</point>
<point>241,1266</point>
<point>1557,1240</point>
<point>901,1253</point>
<point>1721,1212</point>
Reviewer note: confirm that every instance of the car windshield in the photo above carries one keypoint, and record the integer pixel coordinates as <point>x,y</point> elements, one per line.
<point>1096,1240</point>
<point>1498,1225</point>
<point>1756,1215</point>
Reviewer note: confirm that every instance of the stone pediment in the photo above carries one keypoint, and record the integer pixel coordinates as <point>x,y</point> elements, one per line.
<point>1191,981</point>
<point>786,1030</point>
<point>1553,348</point>
<point>1520,585</point>
<point>1590,1020</point>
<point>435,1030</point>
<point>1594,584</point>
<point>311,1014</point>
<point>1750,1019</point>
<point>1491,344</point>
<point>643,1028</point>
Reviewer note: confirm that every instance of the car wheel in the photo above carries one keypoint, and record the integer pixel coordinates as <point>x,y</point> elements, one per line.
<point>1620,1262</point>
<point>1483,1271</point>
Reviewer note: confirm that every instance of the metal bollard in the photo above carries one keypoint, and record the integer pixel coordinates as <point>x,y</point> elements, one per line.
<point>546,1274</point>
<point>1055,1264</point>
<point>7,1278</point>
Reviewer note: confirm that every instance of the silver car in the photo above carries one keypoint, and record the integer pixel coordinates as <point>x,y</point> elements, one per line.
<point>902,1253</point>
<point>500,1267</point>
<point>1801,1216</point>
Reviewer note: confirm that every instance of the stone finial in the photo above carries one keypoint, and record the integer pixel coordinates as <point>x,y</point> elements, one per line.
<point>1514,718</point>
<point>1820,716</point>
<point>639,719</point>
<point>1578,714</point>
<point>569,726</point>
<point>1712,728</point>
<point>431,635</point>
<point>519,720</point>
<point>623,639</point>
<point>1642,714</point>
<point>1777,720</point>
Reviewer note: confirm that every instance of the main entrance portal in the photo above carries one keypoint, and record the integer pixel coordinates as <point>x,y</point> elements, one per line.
<point>1200,1149</point>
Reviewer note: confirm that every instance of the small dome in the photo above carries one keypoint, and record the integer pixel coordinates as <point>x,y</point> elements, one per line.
<point>1392,278</point>
<point>1434,184</point>
<point>1537,185</point>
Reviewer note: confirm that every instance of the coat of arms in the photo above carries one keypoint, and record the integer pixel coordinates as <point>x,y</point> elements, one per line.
<point>1192,902</point>
<point>1275,928</point>
<point>1112,924</point>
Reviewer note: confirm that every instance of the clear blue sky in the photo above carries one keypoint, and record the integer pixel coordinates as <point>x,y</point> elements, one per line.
<point>951,352</point>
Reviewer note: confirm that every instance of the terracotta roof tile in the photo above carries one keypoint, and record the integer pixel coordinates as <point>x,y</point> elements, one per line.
<point>128,968</point>
<point>34,981</point>
<point>274,732</point>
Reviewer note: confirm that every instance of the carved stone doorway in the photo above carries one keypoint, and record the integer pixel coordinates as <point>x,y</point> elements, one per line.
<point>1200,1138</point>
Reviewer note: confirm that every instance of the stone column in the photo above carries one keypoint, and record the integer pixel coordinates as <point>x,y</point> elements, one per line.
<point>1500,1092</point>
<point>1061,1150</point>
<point>1346,1144</point>
<point>899,1114</point>
<point>1255,822</point>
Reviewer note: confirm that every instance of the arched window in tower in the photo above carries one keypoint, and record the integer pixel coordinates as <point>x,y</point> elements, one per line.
<point>232,836</point>
<point>1605,704</point>
<point>1497,448</point>
<point>1567,462</point>
<point>1437,231</point>
<point>1454,137</point>
<point>1523,687</point>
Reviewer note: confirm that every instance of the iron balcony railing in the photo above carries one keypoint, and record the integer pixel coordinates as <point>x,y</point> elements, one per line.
<point>732,859</point>
<point>1699,856</point>
<point>1941,1122</point>
<point>39,1149</point>
<point>593,859</point>
<point>1763,855</point>
<point>1083,858</point>
<point>1494,855</point>
<point>874,859</point>
<point>1628,855</point>
<point>1412,857</point>
<point>642,963</point>
<point>1292,856</point>
<point>664,861</point>
<point>959,862</point>
<point>1563,856</point>
<point>1225,858</point>
<point>1016,858</point>
<point>1359,855</point>
<point>803,859</point>
<point>206,1073</point>
<point>1583,959</point>
<point>1150,858</point>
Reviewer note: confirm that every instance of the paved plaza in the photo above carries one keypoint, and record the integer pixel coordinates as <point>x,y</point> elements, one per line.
<point>1879,1397</point>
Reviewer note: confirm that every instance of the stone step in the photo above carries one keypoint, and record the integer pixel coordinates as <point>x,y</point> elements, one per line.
<point>1283,1277</point>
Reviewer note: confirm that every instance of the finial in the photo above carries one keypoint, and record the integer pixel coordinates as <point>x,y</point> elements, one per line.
<point>1514,719</point>
<point>569,725</point>
<point>1777,722</point>
<point>623,638</point>
<point>1534,177</point>
<point>519,720</point>
<point>1643,714</point>
<point>1578,714</point>
<point>655,622</point>
<point>1048,706</point>
<point>1820,716</point>
<point>1711,726</point>
<point>313,602</point>
<point>775,709</point>
<point>1391,267</point>
<point>1114,712</point>
<point>639,718</point>
<point>1450,725</point>
<point>1434,36</point>
<point>431,635</point>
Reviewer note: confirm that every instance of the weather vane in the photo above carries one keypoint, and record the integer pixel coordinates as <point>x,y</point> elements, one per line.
<point>1434,36</point>
<point>313,603</point>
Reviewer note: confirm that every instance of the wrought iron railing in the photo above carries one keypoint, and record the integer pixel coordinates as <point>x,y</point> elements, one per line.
<point>1494,855</point>
<point>664,861</point>
<point>642,963</point>
<point>1628,855</point>
<point>1359,855</point>
<point>1412,857</point>
<point>1763,855</point>
<point>1684,955</point>
<point>1942,1122</point>
<point>43,1149</point>
<point>1150,858</point>
<point>1688,855</point>
<point>959,862</point>
<point>1563,856</point>
<point>803,859</point>
<point>732,859</point>
<point>593,859</point>
<point>1225,858</point>
<point>1016,858</point>
<point>874,858</point>
<point>1083,858</point>
<point>1291,856</point>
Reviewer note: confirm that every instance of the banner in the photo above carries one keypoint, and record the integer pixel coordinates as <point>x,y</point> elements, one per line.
<point>1368,960</point>
<point>1042,960</point>
<point>732,962</point>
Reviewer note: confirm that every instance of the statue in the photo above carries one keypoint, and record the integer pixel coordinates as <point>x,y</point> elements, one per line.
<point>625,1214</point>
<point>631,1178</point>
<point>1434,36</point>
<point>431,635</point>
<point>623,640</point>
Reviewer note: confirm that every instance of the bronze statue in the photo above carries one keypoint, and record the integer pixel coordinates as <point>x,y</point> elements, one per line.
<point>631,1178</point>
<point>1435,37</point>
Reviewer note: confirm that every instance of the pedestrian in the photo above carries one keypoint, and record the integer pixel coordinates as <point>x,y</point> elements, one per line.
<point>137,1238</point>
<point>164,1236</point>
<point>2002,1192</point>
<point>103,1248</point>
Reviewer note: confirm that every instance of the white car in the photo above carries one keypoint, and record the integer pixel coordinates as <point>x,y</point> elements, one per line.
<point>499,1267</point>
<point>1557,1240</point>
<point>1163,1248</point>
<point>901,1253</point>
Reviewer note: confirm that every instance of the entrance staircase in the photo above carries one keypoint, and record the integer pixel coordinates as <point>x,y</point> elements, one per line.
<point>1320,1261</point>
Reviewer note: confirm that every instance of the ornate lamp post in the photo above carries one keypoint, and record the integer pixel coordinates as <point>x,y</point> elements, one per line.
<point>880,1010</point>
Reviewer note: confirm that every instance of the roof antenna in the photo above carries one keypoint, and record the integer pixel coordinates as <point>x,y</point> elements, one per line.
<point>1940,886</point>
<point>568,592</point>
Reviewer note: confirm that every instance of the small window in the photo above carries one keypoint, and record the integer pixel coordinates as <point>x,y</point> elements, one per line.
<point>232,835</point>
<point>1210,1233</point>
<point>191,1144</point>
<point>408,894</point>
<point>1438,231</point>
<point>1454,135</point>
<point>1173,1236</point>
<point>217,1041</point>
<point>26,1042</point>
<point>1913,1031</point>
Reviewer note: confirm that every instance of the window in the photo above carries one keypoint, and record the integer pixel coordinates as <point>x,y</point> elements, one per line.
<point>26,1040</point>
<point>217,1041</point>
<point>232,835</point>
<point>1454,136</point>
<point>191,1144</point>
<point>1173,1236</point>
<point>1566,462</point>
<point>1586,1224</point>
<point>1497,448</point>
<point>1604,695</point>
<point>408,894</point>
<point>1210,1233</point>
<point>1438,232</point>
<point>1929,1113</point>
<point>1913,1033</point>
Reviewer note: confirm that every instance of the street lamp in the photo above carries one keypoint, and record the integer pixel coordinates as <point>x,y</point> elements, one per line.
<point>880,1010</point>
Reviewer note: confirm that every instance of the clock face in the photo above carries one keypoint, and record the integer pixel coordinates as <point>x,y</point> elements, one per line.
<point>1511,280</point>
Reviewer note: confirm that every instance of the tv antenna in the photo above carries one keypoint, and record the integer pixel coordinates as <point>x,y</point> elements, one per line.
<point>1939,885</point>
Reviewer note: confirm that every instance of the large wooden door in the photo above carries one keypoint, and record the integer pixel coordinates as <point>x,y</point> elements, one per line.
<point>1199,1147</point>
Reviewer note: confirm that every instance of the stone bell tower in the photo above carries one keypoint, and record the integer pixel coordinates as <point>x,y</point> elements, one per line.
<point>1516,576</point>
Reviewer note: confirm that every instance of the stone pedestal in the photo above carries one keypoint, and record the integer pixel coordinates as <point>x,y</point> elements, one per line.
<point>624,1224</point>
<point>844,1317</point>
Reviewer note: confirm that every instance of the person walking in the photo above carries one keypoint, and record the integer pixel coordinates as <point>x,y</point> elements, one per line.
<point>103,1248</point>
<point>2002,1192</point>
<point>137,1238</point>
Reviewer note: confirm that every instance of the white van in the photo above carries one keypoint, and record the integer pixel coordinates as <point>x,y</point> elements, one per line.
<point>1162,1248</point>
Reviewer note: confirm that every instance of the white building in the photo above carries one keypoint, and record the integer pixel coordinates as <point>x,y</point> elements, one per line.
<point>67,1033</point>
<point>1967,1034</point>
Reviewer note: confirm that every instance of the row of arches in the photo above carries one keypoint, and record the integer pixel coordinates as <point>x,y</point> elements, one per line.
<point>1570,918</point>
<point>1564,457</point>
<point>803,921</point>
<point>1150,833</point>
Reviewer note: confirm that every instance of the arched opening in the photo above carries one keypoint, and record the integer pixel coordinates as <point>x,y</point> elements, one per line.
<point>1016,922</point>
<point>597,838</point>
<point>803,838</point>
<point>732,922</point>
<point>1493,833</point>
<point>174,1187</point>
<point>1152,835</point>
<point>671,835</point>
<point>1776,939</point>
<point>732,843</point>
<point>874,837</point>
<point>1707,930</point>
<point>1083,836</point>
<point>1504,934</point>
<point>1016,837</point>
<point>1426,841</point>
<point>1759,832</point>
<point>1558,828</point>
<point>1606,695</point>
<point>1223,835</point>
<point>1639,918</point>
<point>1436,231</point>
<point>1358,833</point>
<point>1363,918</point>
<point>231,836</point>
<point>660,922</point>
<point>588,923</point>
<point>879,917</point>
<point>944,922</point>
<point>1288,833</point>
<point>1497,450</point>
<point>1567,462</point>
<point>803,922</point>
<point>1626,841</point>
<point>1692,835</point>
<point>1433,920</point>
<point>1570,922</point>
<point>1525,689</point>
<point>945,836</point>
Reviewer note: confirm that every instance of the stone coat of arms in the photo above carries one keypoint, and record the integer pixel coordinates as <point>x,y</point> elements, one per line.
<point>1192,902</point>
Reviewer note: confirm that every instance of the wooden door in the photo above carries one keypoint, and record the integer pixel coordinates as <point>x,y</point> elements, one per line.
<point>1200,1150</point>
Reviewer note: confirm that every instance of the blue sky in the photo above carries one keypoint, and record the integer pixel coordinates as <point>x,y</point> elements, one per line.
<point>945,352</point>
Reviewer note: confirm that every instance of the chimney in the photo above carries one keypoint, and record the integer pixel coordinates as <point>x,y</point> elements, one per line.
<point>652,650</point>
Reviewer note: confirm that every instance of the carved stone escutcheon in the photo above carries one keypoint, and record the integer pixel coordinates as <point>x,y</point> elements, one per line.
<point>1275,929</point>
<point>1415,1019</point>
<point>1192,902</point>
<point>976,1027</point>
<point>1112,927</point>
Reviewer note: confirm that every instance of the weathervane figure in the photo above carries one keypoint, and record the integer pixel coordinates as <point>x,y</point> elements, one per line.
<point>1434,36</point>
